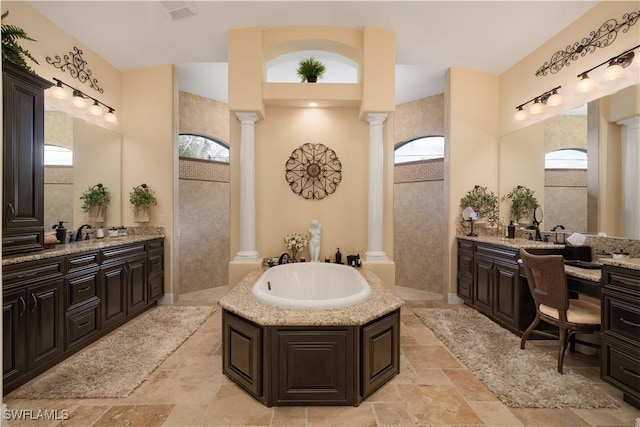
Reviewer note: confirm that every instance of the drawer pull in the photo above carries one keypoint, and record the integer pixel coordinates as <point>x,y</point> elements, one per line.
<point>629,322</point>
<point>82,325</point>
<point>626,371</point>
<point>84,289</point>
<point>29,274</point>
<point>24,306</point>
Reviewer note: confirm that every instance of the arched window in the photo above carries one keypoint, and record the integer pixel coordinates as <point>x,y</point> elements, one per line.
<point>202,147</point>
<point>423,148</point>
<point>566,158</point>
<point>55,155</point>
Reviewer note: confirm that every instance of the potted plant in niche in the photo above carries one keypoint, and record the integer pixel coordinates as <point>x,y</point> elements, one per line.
<point>483,201</point>
<point>94,202</point>
<point>310,69</point>
<point>11,50</point>
<point>523,203</point>
<point>141,199</point>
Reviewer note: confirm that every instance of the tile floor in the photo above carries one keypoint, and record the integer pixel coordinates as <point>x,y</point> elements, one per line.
<point>188,389</point>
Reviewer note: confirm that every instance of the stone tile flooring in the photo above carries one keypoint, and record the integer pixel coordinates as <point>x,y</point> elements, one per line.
<point>433,388</point>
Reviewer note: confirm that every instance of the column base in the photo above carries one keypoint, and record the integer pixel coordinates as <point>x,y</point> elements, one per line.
<point>246,256</point>
<point>376,256</point>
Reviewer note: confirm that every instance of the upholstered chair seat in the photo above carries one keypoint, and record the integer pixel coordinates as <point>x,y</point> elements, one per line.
<point>578,312</point>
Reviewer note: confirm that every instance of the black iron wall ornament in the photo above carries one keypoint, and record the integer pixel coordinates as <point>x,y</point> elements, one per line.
<point>313,171</point>
<point>602,37</point>
<point>77,67</point>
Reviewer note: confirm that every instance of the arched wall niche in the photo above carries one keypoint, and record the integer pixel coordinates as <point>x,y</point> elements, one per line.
<point>343,41</point>
<point>339,68</point>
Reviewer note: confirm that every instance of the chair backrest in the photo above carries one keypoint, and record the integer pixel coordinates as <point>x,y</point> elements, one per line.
<point>547,279</point>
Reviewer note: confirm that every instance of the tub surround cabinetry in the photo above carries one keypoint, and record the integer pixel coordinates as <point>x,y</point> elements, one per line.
<point>310,357</point>
<point>621,327</point>
<point>23,157</point>
<point>57,302</point>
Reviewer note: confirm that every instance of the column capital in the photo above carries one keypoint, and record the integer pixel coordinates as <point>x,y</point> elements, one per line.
<point>247,117</point>
<point>376,118</point>
<point>630,122</point>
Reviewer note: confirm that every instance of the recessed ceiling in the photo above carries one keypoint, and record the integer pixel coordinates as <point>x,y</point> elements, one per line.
<point>431,36</point>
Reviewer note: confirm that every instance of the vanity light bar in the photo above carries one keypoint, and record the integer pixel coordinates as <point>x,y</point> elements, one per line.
<point>82,100</point>
<point>615,70</point>
<point>551,98</point>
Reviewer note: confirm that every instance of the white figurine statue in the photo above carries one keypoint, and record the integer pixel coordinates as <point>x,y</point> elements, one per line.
<point>314,243</point>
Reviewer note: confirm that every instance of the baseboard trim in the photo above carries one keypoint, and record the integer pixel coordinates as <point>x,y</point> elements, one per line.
<point>454,299</point>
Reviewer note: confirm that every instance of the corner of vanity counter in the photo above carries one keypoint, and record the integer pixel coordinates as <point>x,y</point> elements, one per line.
<point>240,301</point>
<point>630,263</point>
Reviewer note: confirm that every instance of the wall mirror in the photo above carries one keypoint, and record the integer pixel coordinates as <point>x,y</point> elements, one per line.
<point>96,158</point>
<point>570,194</point>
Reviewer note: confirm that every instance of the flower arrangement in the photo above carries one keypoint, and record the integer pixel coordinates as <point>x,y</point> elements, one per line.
<point>295,242</point>
<point>523,203</point>
<point>484,201</point>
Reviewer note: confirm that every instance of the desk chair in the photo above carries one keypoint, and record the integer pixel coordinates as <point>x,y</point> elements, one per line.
<point>548,285</point>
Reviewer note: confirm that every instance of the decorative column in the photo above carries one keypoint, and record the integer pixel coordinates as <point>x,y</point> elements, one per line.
<point>375,242</point>
<point>247,250</point>
<point>631,176</point>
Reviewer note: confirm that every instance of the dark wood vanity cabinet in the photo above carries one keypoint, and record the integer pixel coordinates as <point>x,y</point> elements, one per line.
<point>23,160</point>
<point>33,313</point>
<point>56,306</point>
<point>620,362</point>
<point>465,271</point>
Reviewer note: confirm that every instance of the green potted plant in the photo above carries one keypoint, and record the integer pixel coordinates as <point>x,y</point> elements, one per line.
<point>11,50</point>
<point>94,202</point>
<point>483,201</point>
<point>310,69</point>
<point>523,203</point>
<point>141,199</point>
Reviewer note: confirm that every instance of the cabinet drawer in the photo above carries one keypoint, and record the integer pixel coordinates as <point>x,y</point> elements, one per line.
<point>623,368</point>
<point>620,280</point>
<point>156,262</point>
<point>82,261</point>
<point>117,253</point>
<point>22,273</point>
<point>156,245</point>
<point>497,252</point>
<point>81,324</point>
<point>82,288</point>
<point>621,318</point>
<point>22,240</point>
<point>156,286</point>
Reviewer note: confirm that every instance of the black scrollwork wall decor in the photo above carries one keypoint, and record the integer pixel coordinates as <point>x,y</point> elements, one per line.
<point>600,38</point>
<point>77,67</point>
<point>313,171</point>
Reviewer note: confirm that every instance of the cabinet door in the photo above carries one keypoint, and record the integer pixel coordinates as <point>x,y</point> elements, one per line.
<point>45,322</point>
<point>506,287</point>
<point>465,275</point>
<point>136,284</point>
<point>482,292</point>
<point>113,292</point>
<point>23,157</point>
<point>14,336</point>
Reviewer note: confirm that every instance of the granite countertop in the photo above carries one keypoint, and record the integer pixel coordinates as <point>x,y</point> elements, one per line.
<point>583,273</point>
<point>516,243</point>
<point>630,263</point>
<point>75,247</point>
<point>240,301</point>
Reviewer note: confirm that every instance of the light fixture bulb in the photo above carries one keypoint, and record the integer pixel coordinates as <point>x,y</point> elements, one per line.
<point>78,101</point>
<point>110,117</point>
<point>59,92</point>
<point>555,99</point>
<point>313,104</point>
<point>613,72</point>
<point>95,109</point>
<point>586,84</point>
<point>536,108</point>
<point>520,115</point>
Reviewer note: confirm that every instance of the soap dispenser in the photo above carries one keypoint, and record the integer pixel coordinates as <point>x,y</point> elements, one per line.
<point>61,231</point>
<point>338,257</point>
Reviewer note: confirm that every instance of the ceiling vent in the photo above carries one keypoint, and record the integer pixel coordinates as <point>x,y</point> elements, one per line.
<point>178,9</point>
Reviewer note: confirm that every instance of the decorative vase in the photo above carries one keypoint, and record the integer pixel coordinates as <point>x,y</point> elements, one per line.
<point>97,213</point>
<point>141,214</point>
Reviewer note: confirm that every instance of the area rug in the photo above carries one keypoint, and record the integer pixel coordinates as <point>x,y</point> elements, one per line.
<point>118,363</point>
<point>519,378</point>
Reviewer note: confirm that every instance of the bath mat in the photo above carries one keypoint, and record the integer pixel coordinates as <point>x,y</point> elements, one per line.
<point>519,378</point>
<point>115,365</point>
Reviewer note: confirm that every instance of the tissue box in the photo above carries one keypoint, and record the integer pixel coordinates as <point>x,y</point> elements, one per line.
<point>582,253</point>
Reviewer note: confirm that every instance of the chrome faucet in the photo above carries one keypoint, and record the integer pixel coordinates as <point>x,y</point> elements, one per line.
<point>282,257</point>
<point>79,233</point>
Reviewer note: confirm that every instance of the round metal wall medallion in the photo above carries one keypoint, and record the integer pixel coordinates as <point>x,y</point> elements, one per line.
<point>313,171</point>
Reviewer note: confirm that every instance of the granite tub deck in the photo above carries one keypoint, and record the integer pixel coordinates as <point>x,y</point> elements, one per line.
<point>292,357</point>
<point>240,301</point>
